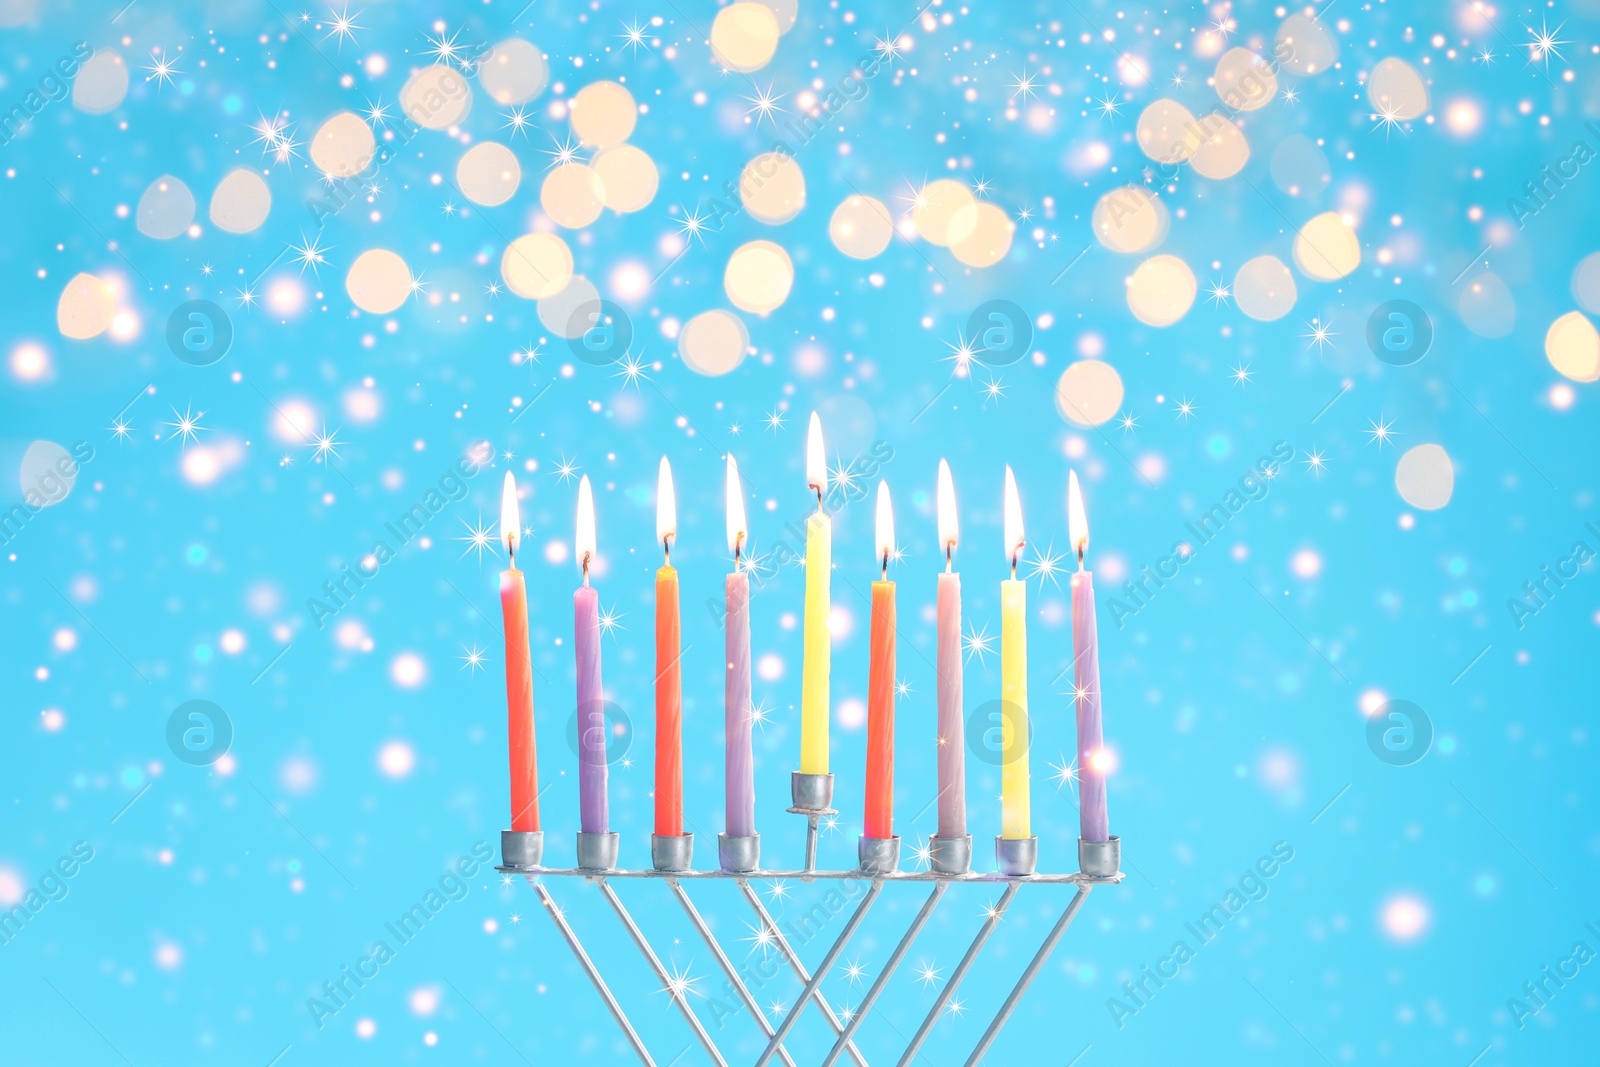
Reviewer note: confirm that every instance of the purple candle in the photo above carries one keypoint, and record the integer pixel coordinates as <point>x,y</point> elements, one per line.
<point>1093,760</point>
<point>594,807</point>
<point>741,784</point>
<point>952,749</point>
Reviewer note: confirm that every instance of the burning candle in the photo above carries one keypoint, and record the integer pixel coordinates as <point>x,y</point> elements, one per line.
<point>819,576</point>
<point>519,671</point>
<point>879,822</point>
<point>740,790</point>
<point>1093,760</point>
<point>952,752</point>
<point>669,678</point>
<point>593,805</point>
<point>1014,799</point>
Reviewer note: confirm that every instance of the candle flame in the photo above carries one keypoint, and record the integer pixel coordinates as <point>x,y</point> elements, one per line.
<point>949,524</point>
<point>735,497</point>
<point>510,518</point>
<point>816,458</point>
<point>1077,521</point>
<point>1013,525</point>
<point>583,542</point>
<point>885,525</point>
<point>666,504</point>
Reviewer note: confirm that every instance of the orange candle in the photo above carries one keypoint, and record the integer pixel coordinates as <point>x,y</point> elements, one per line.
<point>669,677</point>
<point>879,821</point>
<point>519,671</point>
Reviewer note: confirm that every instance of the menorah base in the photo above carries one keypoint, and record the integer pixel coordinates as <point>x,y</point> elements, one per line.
<point>950,855</point>
<point>739,854</point>
<point>1016,856</point>
<point>521,848</point>
<point>669,852</point>
<point>1100,859</point>
<point>879,855</point>
<point>597,852</point>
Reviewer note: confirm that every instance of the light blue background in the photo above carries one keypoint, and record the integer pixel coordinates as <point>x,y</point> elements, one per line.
<point>217,904</point>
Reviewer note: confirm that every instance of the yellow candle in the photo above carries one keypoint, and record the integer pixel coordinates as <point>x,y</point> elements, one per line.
<point>818,653</point>
<point>1014,789</point>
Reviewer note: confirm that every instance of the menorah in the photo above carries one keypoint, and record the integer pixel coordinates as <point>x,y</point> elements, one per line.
<point>1099,863</point>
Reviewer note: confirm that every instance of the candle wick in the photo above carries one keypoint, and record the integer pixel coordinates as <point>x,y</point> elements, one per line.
<point>949,553</point>
<point>738,547</point>
<point>666,549</point>
<point>1083,545</point>
<point>586,568</point>
<point>886,564</point>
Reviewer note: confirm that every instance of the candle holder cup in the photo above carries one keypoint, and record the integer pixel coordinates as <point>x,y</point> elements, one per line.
<point>950,855</point>
<point>521,849</point>
<point>739,854</point>
<point>879,855</point>
<point>672,852</point>
<point>597,852</point>
<point>1100,859</point>
<point>1017,857</point>
<point>812,793</point>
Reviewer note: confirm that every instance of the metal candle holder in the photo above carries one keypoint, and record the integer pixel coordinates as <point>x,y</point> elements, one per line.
<point>739,859</point>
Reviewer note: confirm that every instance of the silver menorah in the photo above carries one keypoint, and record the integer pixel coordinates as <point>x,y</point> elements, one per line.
<point>739,859</point>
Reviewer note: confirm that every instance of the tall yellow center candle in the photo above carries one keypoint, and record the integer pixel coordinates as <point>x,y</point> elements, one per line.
<point>819,602</point>
<point>1015,817</point>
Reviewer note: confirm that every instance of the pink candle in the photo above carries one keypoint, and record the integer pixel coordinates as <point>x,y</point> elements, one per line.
<point>594,810</point>
<point>1093,823</point>
<point>740,789</point>
<point>952,747</point>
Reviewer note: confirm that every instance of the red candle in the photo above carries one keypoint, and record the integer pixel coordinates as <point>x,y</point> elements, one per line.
<point>669,678</point>
<point>519,671</point>
<point>879,821</point>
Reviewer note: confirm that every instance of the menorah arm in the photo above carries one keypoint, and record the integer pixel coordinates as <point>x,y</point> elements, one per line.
<point>593,973</point>
<point>1028,975</point>
<point>958,974</point>
<point>727,966</point>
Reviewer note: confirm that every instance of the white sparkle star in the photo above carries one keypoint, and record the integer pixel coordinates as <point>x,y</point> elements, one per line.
<point>187,425</point>
<point>309,254</point>
<point>1185,409</point>
<point>634,37</point>
<point>1315,464</point>
<point>1047,565</point>
<point>1321,335</point>
<point>120,428</point>
<point>480,537</point>
<point>472,658</point>
<point>963,354</point>
<point>1022,85</point>
<point>563,153</point>
<point>1381,432</point>
<point>764,104</point>
<point>631,369</point>
<point>566,470</point>
<point>978,643</point>
<point>928,974</point>
<point>774,420</point>
<point>1241,374</point>
<point>1065,773</point>
<point>517,121</point>
<point>161,71</point>
<point>1545,43</point>
<point>343,26</point>
<point>325,445</point>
